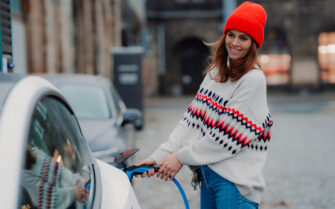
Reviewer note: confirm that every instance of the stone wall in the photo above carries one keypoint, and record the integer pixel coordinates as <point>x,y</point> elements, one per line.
<point>71,36</point>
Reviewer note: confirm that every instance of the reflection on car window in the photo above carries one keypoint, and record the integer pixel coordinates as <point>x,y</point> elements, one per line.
<point>88,102</point>
<point>57,169</point>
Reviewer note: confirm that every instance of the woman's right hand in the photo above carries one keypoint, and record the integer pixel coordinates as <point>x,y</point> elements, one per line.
<point>80,193</point>
<point>148,161</point>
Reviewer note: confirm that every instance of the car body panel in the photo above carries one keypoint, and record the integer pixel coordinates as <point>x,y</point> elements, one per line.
<point>15,114</point>
<point>117,192</point>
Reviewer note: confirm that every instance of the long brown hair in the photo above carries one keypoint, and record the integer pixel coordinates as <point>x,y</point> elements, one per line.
<point>237,68</point>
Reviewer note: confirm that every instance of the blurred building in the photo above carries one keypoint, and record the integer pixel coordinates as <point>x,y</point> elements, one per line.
<point>179,29</point>
<point>298,50</point>
<point>73,36</point>
<point>298,43</point>
<point>77,36</point>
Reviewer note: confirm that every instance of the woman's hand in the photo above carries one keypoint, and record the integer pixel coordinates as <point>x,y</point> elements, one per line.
<point>170,166</point>
<point>148,161</point>
<point>80,193</point>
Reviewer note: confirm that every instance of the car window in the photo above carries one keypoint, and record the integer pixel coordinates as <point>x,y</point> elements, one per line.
<point>117,99</point>
<point>57,171</point>
<point>88,102</point>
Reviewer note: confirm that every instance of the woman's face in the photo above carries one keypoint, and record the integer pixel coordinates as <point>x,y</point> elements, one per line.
<point>237,44</point>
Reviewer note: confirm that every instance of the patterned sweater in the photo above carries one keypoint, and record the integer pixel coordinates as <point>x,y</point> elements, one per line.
<point>227,127</point>
<point>49,184</point>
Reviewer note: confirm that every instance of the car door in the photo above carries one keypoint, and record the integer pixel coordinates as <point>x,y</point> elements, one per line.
<point>59,171</point>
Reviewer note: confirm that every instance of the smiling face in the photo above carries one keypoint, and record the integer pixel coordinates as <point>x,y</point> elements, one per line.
<point>237,44</point>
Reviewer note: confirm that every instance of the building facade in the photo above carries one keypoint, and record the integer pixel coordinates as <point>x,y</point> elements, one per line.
<point>66,36</point>
<point>299,38</point>
<point>76,36</point>
<point>298,50</point>
<point>179,31</point>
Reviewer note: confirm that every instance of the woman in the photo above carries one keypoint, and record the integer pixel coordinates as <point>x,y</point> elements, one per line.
<point>226,129</point>
<point>49,184</point>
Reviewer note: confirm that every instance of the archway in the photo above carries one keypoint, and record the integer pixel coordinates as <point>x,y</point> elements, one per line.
<point>192,56</point>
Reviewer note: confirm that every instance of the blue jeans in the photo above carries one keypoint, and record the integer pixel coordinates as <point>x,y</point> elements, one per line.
<point>219,193</point>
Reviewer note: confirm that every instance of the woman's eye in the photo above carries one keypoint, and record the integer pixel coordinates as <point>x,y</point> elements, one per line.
<point>243,38</point>
<point>230,34</point>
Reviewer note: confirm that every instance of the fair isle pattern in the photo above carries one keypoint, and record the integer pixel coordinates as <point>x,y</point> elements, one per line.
<point>260,144</point>
<point>227,126</point>
<point>47,194</point>
<point>214,102</point>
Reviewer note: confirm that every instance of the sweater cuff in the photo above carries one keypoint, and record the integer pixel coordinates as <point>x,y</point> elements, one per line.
<point>184,156</point>
<point>159,155</point>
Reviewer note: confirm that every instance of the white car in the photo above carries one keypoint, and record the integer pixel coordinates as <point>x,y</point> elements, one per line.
<point>45,160</point>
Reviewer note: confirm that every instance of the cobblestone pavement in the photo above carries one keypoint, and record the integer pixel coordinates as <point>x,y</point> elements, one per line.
<point>300,169</point>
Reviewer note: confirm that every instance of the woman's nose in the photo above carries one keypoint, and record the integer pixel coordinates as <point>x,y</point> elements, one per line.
<point>235,41</point>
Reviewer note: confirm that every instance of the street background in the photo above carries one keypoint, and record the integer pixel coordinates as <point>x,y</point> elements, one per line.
<point>299,171</point>
<point>83,36</point>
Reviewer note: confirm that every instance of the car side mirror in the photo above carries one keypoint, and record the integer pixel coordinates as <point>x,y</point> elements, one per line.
<point>135,117</point>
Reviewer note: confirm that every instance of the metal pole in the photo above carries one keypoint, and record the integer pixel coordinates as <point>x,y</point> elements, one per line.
<point>161,49</point>
<point>129,30</point>
<point>161,57</point>
<point>228,7</point>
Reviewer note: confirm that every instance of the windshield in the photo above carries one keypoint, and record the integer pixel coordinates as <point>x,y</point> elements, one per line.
<point>88,102</point>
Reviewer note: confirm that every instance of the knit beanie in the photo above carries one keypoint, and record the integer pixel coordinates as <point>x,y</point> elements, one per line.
<point>249,18</point>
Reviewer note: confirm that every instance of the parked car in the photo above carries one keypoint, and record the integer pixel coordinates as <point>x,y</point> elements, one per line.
<point>45,160</point>
<point>107,124</point>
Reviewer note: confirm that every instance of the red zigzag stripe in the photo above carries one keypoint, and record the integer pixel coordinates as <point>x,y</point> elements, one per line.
<point>231,110</point>
<point>266,137</point>
<point>225,127</point>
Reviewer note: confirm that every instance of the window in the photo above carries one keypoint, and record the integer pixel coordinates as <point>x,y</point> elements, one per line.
<point>58,167</point>
<point>326,56</point>
<point>88,102</point>
<point>276,68</point>
<point>275,57</point>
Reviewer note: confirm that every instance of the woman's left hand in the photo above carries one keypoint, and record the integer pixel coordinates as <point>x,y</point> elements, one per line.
<point>169,167</point>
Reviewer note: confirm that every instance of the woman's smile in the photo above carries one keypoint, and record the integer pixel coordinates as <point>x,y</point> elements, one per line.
<point>237,44</point>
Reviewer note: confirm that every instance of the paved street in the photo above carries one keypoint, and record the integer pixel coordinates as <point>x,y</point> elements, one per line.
<point>300,170</point>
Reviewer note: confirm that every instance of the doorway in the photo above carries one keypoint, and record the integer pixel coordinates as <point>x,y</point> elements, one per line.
<point>192,56</point>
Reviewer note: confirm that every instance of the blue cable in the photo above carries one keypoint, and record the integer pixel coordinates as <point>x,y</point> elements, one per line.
<point>134,170</point>
<point>182,193</point>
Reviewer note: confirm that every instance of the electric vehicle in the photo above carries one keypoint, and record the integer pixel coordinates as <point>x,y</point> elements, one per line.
<point>40,142</point>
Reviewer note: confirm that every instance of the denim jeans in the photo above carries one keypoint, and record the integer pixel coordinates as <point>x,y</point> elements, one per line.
<point>219,193</point>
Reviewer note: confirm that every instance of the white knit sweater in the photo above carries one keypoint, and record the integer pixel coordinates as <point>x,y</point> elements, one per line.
<point>227,127</point>
<point>49,184</point>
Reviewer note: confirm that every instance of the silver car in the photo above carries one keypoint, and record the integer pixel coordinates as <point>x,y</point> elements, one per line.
<point>44,159</point>
<point>108,126</point>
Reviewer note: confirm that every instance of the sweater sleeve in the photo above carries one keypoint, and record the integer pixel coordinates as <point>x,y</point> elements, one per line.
<point>175,140</point>
<point>173,144</point>
<point>228,127</point>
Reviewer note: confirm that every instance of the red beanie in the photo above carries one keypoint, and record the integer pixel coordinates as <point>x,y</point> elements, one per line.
<point>249,18</point>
